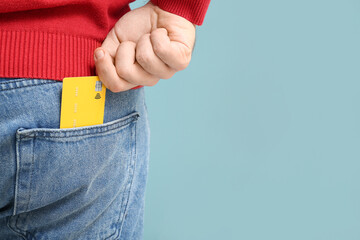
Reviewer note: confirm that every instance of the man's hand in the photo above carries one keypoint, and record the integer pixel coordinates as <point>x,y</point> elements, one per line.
<point>145,45</point>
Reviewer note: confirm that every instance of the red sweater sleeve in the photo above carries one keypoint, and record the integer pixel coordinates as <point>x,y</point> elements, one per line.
<point>192,10</point>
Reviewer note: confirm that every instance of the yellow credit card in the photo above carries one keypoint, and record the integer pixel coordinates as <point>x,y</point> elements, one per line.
<point>82,102</point>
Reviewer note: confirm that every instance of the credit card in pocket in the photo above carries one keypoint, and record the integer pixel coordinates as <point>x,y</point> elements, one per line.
<point>82,102</point>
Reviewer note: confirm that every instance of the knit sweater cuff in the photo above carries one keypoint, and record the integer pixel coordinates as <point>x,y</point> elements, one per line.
<point>192,10</point>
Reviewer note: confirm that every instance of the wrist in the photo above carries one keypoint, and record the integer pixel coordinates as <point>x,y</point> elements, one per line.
<point>193,11</point>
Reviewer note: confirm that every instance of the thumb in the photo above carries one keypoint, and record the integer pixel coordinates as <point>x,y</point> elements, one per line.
<point>111,43</point>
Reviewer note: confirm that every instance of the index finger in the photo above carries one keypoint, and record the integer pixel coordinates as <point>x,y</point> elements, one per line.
<point>106,71</point>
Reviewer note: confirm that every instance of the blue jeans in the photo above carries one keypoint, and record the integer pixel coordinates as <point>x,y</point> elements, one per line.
<point>76,183</point>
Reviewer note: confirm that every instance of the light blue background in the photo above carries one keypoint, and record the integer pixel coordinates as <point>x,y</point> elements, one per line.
<point>259,138</point>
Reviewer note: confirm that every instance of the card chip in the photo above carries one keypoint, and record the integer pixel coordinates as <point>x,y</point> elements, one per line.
<point>98,86</point>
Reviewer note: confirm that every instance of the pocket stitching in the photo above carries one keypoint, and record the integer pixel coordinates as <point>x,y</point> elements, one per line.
<point>48,133</point>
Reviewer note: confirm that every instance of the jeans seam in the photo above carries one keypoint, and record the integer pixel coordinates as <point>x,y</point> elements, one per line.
<point>15,226</point>
<point>31,174</point>
<point>33,85</point>
<point>133,167</point>
<point>25,79</point>
<point>123,206</point>
<point>11,223</point>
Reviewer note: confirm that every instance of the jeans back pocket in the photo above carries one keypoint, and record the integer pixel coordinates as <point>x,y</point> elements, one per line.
<point>79,174</point>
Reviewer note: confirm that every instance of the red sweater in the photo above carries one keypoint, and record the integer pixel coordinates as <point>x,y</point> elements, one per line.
<point>53,39</point>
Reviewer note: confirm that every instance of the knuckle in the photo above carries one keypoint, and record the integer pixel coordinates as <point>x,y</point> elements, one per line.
<point>116,88</point>
<point>123,72</point>
<point>152,83</point>
<point>184,61</point>
<point>168,75</point>
<point>183,64</point>
<point>159,48</point>
<point>115,85</point>
<point>143,58</point>
<point>146,62</point>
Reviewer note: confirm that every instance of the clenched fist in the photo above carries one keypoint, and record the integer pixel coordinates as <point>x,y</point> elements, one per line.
<point>145,45</point>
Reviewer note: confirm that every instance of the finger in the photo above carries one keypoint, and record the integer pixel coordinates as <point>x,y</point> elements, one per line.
<point>175,54</point>
<point>111,43</point>
<point>127,68</point>
<point>149,61</point>
<point>107,72</point>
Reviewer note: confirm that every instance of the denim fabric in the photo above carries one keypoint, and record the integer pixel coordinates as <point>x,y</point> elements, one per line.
<point>76,183</point>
